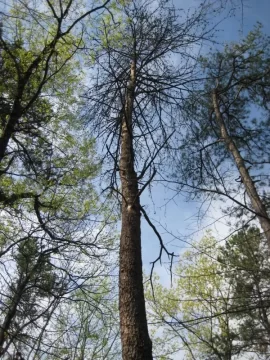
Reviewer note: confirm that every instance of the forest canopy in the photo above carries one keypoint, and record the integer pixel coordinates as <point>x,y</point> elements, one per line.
<point>119,119</point>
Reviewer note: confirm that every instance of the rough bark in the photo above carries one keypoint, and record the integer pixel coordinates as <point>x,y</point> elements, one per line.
<point>136,344</point>
<point>256,201</point>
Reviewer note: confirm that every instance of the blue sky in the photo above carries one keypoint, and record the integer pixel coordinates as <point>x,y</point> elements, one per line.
<point>179,216</point>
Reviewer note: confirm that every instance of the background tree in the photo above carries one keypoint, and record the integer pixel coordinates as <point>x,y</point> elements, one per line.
<point>218,305</point>
<point>66,227</point>
<point>195,308</point>
<point>246,265</point>
<point>87,326</point>
<point>52,220</point>
<point>224,152</point>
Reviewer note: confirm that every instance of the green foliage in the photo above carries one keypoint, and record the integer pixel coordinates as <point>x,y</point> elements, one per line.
<point>216,304</point>
<point>88,325</point>
<point>246,265</point>
<point>55,231</point>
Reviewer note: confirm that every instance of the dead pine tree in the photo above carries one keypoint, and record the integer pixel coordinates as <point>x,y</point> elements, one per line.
<point>132,305</point>
<point>135,96</point>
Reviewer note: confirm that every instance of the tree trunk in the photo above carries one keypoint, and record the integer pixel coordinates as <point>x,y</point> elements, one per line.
<point>256,201</point>
<point>136,344</point>
<point>11,313</point>
<point>9,130</point>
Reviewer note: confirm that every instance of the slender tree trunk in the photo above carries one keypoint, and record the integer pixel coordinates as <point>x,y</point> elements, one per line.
<point>4,328</point>
<point>136,344</point>
<point>9,130</point>
<point>15,301</point>
<point>16,112</point>
<point>256,201</point>
<point>263,307</point>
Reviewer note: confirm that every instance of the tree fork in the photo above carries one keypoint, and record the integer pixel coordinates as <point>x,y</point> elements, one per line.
<point>136,343</point>
<point>252,192</point>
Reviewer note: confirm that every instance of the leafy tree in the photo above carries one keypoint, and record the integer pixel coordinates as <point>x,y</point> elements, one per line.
<point>51,220</point>
<point>33,281</point>
<point>246,265</point>
<point>37,57</point>
<point>55,231</point>
<point>87,327</point>
<point>218,305</point>
<point>195,308</point>
<point>60,227</point>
